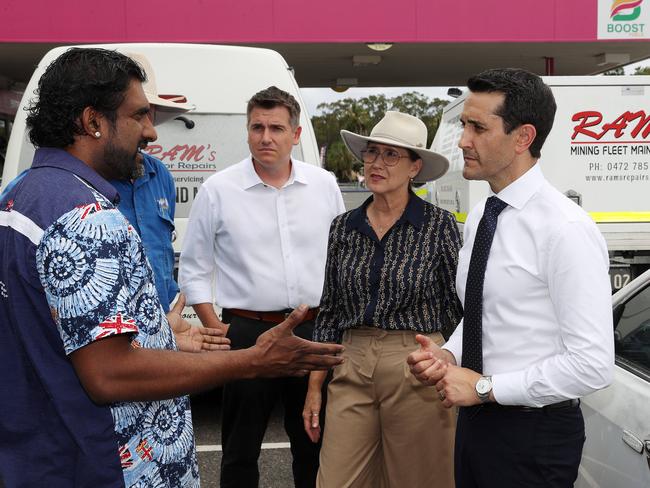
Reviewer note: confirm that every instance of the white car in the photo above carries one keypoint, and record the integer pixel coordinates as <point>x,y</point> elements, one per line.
<point>617,419</point>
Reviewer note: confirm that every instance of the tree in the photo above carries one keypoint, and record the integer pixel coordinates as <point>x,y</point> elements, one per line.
<point>360,116</point>
<point>639,70</point>
<point>618,71</point>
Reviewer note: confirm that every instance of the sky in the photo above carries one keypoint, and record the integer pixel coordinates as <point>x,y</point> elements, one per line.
<point>315,96</point>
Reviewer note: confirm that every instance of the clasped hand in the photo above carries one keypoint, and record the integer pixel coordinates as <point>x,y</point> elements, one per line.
<point>433,366</point>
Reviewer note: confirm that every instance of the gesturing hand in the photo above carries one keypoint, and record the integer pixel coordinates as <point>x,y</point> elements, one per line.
<point>191,338</point>
<point>281,353</point>
<point>197,339</point>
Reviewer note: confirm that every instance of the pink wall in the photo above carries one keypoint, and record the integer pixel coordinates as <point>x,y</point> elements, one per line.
<point>257,21</point>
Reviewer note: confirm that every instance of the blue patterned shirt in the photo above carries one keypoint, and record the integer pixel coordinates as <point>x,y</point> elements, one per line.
<point>405,281</point>
<point>78,274</point>
<point>148,204</point>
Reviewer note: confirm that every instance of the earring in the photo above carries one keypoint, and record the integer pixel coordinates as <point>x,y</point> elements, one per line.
<point>98,134</point>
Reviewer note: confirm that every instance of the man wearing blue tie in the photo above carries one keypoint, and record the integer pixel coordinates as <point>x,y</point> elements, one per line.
<point>532,275</point>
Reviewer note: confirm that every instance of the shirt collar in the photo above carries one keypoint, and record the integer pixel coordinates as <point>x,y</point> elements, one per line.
<point>251,178</point>
<point>61,159</point>
<point>414,211</point>
<point>298,173</point>
<point>148,171</point>
<point>517,193</point>
<point>413,214</point>
<point>149,166</point>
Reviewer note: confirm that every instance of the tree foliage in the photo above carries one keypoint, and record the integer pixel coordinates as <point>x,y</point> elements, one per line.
<point>639,70</point>
<point>618,71</point>
<point>360,116</point>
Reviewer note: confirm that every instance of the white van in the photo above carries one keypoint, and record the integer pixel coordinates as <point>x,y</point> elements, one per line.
<point>598,154</point>
<point>218,81</point>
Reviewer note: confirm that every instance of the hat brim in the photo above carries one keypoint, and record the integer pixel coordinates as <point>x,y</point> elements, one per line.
<point>167,109</point>
<point>434,165</point>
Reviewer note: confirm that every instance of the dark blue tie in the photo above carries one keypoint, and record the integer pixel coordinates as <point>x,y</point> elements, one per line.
<point>473,308</point>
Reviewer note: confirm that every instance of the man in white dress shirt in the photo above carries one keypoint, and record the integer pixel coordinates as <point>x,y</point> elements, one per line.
<point>259,229</point>
<point>542,322</point>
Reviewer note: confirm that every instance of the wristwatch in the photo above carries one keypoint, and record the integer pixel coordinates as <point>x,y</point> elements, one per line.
<point>483,388</point>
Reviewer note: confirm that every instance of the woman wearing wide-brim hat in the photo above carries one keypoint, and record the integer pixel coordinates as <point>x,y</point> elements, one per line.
<point>390,275</point>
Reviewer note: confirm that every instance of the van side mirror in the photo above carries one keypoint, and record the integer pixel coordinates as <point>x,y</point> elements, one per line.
<point>189,124</point>
<point>574,196</point>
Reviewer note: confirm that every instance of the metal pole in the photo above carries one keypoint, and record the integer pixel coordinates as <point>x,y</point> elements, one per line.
<point>550,66</point>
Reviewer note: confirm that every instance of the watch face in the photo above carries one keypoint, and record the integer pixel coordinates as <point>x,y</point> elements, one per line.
<point>483,386</point>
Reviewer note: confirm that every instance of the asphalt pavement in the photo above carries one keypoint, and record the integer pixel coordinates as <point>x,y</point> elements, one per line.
<point>275,459</point>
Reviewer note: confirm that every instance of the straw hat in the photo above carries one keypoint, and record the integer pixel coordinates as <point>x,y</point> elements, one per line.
<point>401,130</point>
<point>167,106</point>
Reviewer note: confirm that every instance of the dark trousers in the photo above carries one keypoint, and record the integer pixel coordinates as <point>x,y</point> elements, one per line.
<point>507,448</point>
<point>247,406</point>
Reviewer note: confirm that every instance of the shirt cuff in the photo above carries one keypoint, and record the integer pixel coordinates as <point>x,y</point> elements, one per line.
<point>510,389</point>
<point>455,346</point>
<point>197,294</point>
<point>117,324</point>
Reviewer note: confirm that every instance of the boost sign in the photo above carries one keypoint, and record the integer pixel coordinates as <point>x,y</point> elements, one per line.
<point>623,19</point>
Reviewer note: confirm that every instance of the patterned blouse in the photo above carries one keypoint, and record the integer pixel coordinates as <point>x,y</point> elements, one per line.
<point>405,281</point>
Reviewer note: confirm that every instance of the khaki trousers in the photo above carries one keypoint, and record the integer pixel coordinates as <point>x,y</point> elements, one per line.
<point>383,429</point>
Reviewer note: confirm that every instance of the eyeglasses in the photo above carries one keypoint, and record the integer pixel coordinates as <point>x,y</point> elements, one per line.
<point>390,157</point>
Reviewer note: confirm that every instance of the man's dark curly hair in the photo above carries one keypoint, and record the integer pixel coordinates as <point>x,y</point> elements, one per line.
<point>527,101</point>
<point>79,78</point>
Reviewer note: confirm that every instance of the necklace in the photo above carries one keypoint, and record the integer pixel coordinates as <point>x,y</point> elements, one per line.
<point>381,228</point>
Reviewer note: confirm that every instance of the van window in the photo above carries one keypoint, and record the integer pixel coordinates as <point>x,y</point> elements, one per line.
<point>632,331</point>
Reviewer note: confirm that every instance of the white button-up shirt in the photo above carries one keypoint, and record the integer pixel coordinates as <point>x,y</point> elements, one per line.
<point>249,245</point>
<point>547,308</point>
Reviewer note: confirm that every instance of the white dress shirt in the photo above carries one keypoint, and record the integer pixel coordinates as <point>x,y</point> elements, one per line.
<point>252,246</point>
<point>547,307</point>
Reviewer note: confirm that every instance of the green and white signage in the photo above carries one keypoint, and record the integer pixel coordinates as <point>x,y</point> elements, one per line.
<point>623,19</point>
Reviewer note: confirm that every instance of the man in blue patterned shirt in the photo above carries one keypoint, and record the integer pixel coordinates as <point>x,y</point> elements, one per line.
<point>148,200</point>
<point>91,382</point>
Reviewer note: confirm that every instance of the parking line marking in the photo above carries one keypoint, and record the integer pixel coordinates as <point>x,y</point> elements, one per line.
<point>266,445</point>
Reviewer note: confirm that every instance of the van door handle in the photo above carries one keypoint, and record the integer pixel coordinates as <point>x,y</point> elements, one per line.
<point>633,441</point>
